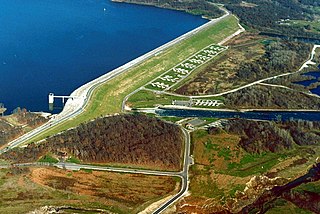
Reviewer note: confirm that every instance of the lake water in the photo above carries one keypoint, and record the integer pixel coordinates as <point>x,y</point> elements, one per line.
<point>316,77</point>
<point>256,115</point>
<point>58,45</point>
<point>306,83</point>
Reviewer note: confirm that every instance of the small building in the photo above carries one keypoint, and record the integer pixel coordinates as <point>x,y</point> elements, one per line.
<point>182,103</point>
<point>189,126</point>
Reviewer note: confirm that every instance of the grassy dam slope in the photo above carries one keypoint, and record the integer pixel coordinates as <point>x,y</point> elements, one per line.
<point>107,98</point>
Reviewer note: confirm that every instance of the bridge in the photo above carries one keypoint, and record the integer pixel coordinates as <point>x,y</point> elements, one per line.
<point>52,96</point>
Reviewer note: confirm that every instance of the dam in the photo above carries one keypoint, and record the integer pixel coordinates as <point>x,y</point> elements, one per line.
<point>52,97</point>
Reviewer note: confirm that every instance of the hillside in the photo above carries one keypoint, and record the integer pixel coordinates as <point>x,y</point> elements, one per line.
<point>250,57</point>
<point>266,136</point>
<point>277,16</point>
<point>124,139</point>
<point>52,190</point>
<point>262,97</point>
<point>196,7</point>
<point>248,166</point>
<point>293,18</point>
<point>18,123</point>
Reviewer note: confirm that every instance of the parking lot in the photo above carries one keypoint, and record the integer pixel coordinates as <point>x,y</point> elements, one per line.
<point>183,69</point>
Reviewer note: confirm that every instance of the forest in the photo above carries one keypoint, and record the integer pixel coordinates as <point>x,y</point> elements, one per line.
<point>124,139</point>
<point>196,7</point>
<point>273,136</point>
<point>279,57</point>
<point>262,15</point>
<point>267,13</point>
<point>260,97</point>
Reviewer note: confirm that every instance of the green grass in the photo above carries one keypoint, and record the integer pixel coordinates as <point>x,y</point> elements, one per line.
<point>198,134</point>
<point>236,188</point>
<point>144,99</point>
<point>249,164</point>
<point>48,159</point>
<point>313,26</point>
<point>211,146</point>
<point>207,188</point>
<point>284,207</point>
<point>315,9</point>
<point>107,98</point>
<point>225,153</point>
<point>87,170</point>
<point>149,99</point>
<point>171,119</point>
<point>209,119</point>
<point>73,160</point>
<point>312,187</point>
<point>252,164</point>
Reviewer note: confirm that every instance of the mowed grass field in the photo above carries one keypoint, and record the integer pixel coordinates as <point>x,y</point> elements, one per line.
<point>107,98</point>
<point>149,99</point>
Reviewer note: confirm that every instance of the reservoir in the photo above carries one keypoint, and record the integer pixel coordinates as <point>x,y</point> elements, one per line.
<point>58,45</point>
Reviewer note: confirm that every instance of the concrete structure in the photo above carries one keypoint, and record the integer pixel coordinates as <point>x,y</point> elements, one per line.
<point>52,96</point>
<point>2,110</point>
<point>182,103</point>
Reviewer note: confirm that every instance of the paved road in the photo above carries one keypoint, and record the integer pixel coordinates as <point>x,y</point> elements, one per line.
<point>76,106</point>
<point>74,166</point>
<point>84,92</point>
<point>182,174</point>
<point>251,84</point>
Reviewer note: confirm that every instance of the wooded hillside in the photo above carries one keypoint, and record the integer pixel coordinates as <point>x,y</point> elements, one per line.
<point>197,7</point>
<point>262,97</point>
<point>124,139</point>
<point>263,15</point>
<point>261,136</point>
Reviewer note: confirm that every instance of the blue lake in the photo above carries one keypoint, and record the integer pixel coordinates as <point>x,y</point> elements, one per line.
<point>58,45</point>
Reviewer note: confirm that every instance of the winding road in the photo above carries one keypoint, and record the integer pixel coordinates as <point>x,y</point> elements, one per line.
<point>187,160</point>
<point>77,106</point>
<point>261,81</point>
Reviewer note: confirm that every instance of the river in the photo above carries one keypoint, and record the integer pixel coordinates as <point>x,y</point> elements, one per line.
<point>257,115</point>
<point>57,45</point>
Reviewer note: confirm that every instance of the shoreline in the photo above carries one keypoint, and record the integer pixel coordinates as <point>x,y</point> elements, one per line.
<point>76,106</point>
<point>238,110</point>
<point>83,92</point>
<point>170,107</point>
<point>164,7</point>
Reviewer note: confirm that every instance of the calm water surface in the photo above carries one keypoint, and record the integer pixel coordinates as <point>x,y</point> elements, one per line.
<point>58,45</point>
<point>316,77</point>
<point>257,115</point>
